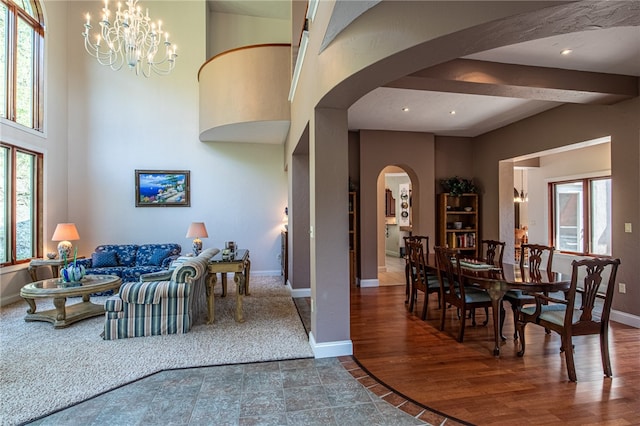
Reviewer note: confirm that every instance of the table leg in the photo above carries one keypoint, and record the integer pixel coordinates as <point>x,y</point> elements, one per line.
<point>247,269</point>
<point>211,283</point>
<point>239,278</point>
<point>59,303</point>
<point>496,298</point>
<point>32,272</point>
<point>32,306</point>
<point>55,271</point>
<point>223,279</point>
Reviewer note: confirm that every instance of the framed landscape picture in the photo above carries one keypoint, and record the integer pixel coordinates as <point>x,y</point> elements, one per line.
<point>162,188</point>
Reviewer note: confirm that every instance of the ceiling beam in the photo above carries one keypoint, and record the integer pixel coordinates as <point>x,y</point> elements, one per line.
<point>520,81</point>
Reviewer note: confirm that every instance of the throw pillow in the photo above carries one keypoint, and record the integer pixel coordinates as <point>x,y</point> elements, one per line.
<point>158,256</point>
<point>103,259</point>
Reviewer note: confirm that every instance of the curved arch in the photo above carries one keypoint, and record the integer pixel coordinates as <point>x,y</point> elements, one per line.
<point>420,35</point>
<point>384,148</point>
<point>393,229</point>
<point>540,20</point>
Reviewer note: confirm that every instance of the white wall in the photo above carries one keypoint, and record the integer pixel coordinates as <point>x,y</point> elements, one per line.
<point>102,125</point>
<point>230,31</point>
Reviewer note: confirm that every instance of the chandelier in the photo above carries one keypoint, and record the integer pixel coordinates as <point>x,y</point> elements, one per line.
<point>522,197</point>
<point>130,38</point>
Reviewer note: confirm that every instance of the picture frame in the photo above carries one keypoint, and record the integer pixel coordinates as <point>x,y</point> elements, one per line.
<point>163,188</point>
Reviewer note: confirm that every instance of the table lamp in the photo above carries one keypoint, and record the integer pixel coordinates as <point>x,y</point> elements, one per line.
<point>197,230</point>
<point>64,233</point>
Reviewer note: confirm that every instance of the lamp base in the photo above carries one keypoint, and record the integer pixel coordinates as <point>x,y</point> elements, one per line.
<point>197,246</point>
<point>64,249</point>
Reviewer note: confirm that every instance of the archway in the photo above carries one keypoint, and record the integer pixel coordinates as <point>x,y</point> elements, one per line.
<point>395,215</point>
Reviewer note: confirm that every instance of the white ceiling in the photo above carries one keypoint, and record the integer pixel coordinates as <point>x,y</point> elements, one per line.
<point>610,51</point>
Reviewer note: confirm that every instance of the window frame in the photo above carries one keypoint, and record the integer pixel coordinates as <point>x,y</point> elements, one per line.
<point>14,13</point>
<point>11,199</point>
<point>586,214</point>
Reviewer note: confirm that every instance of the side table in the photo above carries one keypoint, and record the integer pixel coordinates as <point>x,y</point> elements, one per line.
<point>240,265</point>
<point>54,264</point>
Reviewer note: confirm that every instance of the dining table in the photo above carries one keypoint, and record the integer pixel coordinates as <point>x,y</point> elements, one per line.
<point>497,281</point>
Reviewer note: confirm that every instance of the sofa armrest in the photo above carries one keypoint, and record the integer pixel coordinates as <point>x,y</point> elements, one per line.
<point>156,276</point>
<point>152,292</point>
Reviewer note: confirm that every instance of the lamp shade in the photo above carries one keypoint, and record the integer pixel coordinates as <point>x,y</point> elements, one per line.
<point>65,232</point>
<point>197,230</point>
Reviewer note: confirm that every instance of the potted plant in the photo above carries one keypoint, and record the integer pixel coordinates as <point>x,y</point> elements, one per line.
<point>456,186</point>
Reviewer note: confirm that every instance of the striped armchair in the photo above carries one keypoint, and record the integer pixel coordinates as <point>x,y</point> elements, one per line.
<point>166,302</point>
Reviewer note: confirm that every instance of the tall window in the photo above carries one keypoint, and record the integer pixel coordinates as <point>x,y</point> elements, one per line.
<point>582,216</point>
<point>20,199</point>
<point>21,62</point>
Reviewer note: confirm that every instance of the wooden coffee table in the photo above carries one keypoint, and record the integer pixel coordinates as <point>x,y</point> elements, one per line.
<point>63,315</point>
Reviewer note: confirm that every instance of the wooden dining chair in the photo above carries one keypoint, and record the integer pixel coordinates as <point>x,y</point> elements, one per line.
<point>422,279</point>
<point>424,240</point>
<point>453,292</point>
<point>536,257</point>
<point>492,252</point>
<point>593,279</point>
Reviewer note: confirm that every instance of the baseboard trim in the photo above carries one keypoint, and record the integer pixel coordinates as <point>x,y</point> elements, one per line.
<point>625,318</point>
<point>11,299</point>
<point>370,283</point>
<point>330,349</point>
<point>265,273</point>
<point>299,292</point>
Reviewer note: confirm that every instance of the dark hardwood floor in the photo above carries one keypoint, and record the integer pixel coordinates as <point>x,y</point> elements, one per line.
<point>465,381</point>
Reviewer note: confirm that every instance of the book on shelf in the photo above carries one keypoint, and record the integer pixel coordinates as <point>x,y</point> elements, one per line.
<point>462,240</point>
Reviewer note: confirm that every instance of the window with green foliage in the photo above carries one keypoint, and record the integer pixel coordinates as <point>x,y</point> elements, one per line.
<point>20,198</point>
<point>582,216</point>
<point>21,63</point>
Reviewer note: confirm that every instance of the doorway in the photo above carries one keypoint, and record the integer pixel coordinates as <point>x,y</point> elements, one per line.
<point>395,188</point>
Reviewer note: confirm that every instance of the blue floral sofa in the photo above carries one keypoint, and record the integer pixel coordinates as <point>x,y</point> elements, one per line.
<point>167,302</point>
<point>129,261</point>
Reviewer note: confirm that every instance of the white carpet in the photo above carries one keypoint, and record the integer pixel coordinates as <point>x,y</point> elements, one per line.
<point>43,369</point>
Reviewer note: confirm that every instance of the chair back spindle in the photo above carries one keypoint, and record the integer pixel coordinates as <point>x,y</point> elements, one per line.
<point>533,256</point>
<point>493,252</point>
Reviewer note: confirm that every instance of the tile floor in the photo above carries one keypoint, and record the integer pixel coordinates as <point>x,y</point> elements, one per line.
<point>329,391</point>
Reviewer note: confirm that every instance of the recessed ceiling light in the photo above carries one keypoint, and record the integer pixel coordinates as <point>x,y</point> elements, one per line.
<point>566,52</point>
<point>405,109</point>
<point>452,112</point>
